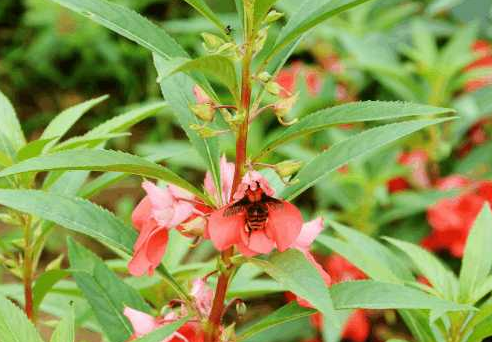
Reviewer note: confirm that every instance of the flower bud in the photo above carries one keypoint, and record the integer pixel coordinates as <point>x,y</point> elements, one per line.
<point>241,308</point>
<point>194,227</point>
<point>284,105</point>
<point>203,111</point>
<point>205,131</point>
<point>287,168</point>
<point>264,77</point>
<point>261,39</point>
<point>273,88</point>
<point>211,42</point>
<point>273,16</point>
<point>200,95</point>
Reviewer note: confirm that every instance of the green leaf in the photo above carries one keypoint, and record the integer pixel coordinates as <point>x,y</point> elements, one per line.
<point>178,91</point>
<point>442,279</point>
<point>10,128</point>
<point>65,330</point>
<point>369,294</point>
<point>62,123</point>
<point>309,14</point>
<point>351,112</point>
<point>480,325</point>
<point>287,313</point>
<point>73,213</point>
<point>349,149</point>
<point>161,334</point>
<point>100,160</point>
<point>216,66</point>
<point>295,272</point>
<point>260,10</point>
<point>475,267</point>
<point>105,292</point>
<point>14,325</point>
<point>33,148</point>
<point>86,141</point>
<point>127,23</point>
<point>417,322</point>
<point>202,7</point>
<point>44,283</point>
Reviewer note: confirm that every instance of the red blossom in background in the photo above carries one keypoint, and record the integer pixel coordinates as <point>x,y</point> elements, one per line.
<point>484,48</point>
<point>452,218</point>
<point>417,162</point>
<point>477,135</point>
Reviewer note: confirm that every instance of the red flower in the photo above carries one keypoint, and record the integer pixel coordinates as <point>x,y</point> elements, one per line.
<point>477,135</point>
<point>342,270</point>
<point>255,222</point>
<point>416,161</point>
<point>483,48</point>
<point>288,78</point>
<point>452,218</point>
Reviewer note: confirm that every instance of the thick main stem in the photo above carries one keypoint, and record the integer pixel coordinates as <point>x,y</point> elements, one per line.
<point>214,322</point>
<point>28,269</point>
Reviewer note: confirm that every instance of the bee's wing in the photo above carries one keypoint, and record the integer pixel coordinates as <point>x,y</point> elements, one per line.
<point>236,208</point>
<point>273,203</point>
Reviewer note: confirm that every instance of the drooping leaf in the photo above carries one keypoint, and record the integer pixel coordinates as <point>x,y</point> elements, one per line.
<point>62,123</point>
<point>295,272</point>
<point>44,283</point>
<point>351,112</point>
<point>100,160</point>
<point>349,149</point>
<point>72,213</point>
<point>162,333</point>
<point>475,267</point>
<point>14,325</point>
<point>105,292</point>
<point>65,330</point>
<point>287,313</point>
<point>10,128</point>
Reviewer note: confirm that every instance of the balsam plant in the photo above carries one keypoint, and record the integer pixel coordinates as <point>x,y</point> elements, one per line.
<point>246,208</point>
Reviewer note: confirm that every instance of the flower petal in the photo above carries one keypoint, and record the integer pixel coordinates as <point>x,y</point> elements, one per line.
<point>141,322</point>
<point>309,232</point>
<point>142,213</point>
<point>284,224</point>
<point>257,241</point>
<point>225,231</point>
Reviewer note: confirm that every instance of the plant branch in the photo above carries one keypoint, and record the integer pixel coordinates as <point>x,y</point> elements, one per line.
<point>28,268</point>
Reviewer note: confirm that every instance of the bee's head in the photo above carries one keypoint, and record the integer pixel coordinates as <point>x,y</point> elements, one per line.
<point>254,195</point>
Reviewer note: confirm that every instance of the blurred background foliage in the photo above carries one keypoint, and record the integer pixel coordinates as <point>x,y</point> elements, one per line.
<point>412,50</point>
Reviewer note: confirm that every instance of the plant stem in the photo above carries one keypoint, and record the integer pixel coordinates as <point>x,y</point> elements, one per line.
<point>28,269</point>
<point>215,318</point>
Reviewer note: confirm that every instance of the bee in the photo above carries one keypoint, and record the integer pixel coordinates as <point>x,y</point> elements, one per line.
<point>255,205</point>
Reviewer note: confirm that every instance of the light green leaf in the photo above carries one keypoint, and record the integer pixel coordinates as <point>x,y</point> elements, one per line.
<point>480,325</point>
<point>44,283</point>
<point>73,213</point>
<point>349,149</point>
<point>14,325</point>
<point>10,128</point>
<point>86,141</point>
<point>369,294</point>
<point>287,313</point>
<point>62,123</point>
<point>309,14</point>
<point>178,91</point>
<point>127,23</point>
<point>202,7</point>
<point>417,322</point>
<point>33,148</point>
<point>295,272</point>
<point>100,160</point>
<point>105,292</point>
<point>475,267</point>
<point>351,112</point>
<point>162,333</point>
<point>215,66</point>
<point>260,10</point>
<point>65,330</point>
<point>442,279</point>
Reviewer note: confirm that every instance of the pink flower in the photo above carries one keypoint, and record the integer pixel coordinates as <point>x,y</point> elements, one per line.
<point>144,324</point>
<point>203,296</point>
<point>159,211</point>
<point>201,96</point>
<point>226,179</point>
<point>416,161</point>
<point>255,222</point>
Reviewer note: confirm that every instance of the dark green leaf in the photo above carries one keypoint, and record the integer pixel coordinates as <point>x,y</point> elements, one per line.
<point>44,283</point>
<point>202,7</point>
<point>14,325</point>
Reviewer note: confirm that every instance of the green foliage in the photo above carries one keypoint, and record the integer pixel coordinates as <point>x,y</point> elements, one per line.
<point>14,325</point>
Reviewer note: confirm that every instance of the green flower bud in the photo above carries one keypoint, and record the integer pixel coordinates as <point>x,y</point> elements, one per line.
<point>264,77</point>
<point>204,131</point>
<point>287,168</point>
<point>273,88</point>
<point>211,42</point>
<point>203,111</point>
<point>195,227</point>
<point>241,308</point>
<point>283,106</point>
<point>273,16</point>
<point>261,39</point>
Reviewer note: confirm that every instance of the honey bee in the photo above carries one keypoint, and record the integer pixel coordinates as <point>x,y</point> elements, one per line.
<point>255,205</point>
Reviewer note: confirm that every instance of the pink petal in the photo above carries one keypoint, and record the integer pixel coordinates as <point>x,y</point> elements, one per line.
<point>156,246</point>
<point>142,213</point>
<point>179,193</point>
<point>326,277</point>
<point>139,264</point>
<point>182,211</point>
<point>257,241</point>
<point>141,322</point>
<point>160,198</point>
<point>244,250</point>
<point>149,250</point>
<point>225,231</point>
<point>284,225</point>
<point>309,233</point>
<point>203,295</point>
<point>226,180</point>
<point>251,180</point>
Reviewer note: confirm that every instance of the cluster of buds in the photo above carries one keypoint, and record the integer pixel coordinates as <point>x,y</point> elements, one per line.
<point>215,45</point>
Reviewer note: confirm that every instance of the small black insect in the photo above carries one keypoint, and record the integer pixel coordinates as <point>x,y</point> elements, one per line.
<point>228,30</point>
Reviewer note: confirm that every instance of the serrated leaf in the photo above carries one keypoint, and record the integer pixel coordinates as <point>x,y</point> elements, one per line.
<point>202,7</point>
<point>369,294</point>
<point>14,325</point>
<point>475,267</point>
<point>33,149</point>
<point>100,160</point>
<point>349,149</point>
<point>62,123</point>
<point>162,333</point>
<point>72,213</point>
<point>442,279</point>
<point>86,141</point>
<point>350,112</point>
<point>218,67</point>
<point>105,292</point>
<point>287,313</point>
<point>295,272</point>
<point>44,283</point>
<point>178,91</point>
<point>10,128</point>
<point>309,14</point>
<point>65,330</point>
